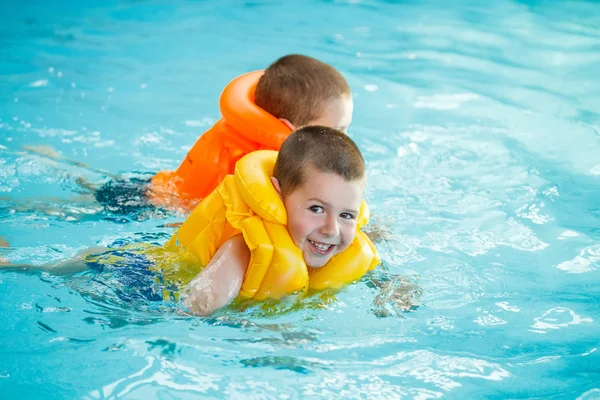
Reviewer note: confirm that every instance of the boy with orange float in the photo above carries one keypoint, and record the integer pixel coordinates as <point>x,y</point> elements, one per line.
<point>259,110</point>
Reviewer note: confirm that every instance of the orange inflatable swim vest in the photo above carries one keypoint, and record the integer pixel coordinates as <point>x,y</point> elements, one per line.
<point>243,128</point>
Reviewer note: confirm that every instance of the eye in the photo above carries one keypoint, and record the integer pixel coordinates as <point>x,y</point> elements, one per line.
<point>316,209</point>
<point>347,216</point>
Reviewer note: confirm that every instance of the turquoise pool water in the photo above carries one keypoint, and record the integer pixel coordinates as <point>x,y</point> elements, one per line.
<point>480,124</point>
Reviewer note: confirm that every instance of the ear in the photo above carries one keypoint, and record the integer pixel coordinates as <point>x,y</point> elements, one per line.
<point>288,124</point>
<point>275,183</point>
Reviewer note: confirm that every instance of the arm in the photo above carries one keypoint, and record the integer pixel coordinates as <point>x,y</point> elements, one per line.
<point>69,266</point>
<point>221,280</point>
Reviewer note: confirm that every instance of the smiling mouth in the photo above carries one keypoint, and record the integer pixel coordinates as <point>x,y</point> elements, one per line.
<point>321,248</point>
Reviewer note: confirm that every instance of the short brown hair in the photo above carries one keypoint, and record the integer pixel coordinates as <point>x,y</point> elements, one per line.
<point>323,148</point>
<point>295,87</point>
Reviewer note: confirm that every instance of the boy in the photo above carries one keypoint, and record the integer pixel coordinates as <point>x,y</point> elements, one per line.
<point>283,223</point>
<point>259,111</point>
<point>272,230</point>
<point>294,91</point>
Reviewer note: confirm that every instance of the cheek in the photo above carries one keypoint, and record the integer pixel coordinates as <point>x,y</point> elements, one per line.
<point>297,229</point>
<point>349,233</point>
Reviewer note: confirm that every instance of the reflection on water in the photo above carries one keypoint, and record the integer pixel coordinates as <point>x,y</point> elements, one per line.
<point>556,318</point>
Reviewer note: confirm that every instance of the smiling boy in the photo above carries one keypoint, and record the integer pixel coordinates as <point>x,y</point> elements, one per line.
<point>281,226</point>
<point>284,223</point>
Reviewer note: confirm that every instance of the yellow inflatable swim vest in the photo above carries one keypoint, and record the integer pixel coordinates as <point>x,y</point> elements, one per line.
<point>247,202</point>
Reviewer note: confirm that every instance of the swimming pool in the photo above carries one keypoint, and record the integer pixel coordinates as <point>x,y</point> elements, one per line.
<point>480,126</point>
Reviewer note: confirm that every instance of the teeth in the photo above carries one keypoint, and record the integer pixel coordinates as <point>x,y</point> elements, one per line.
<point>321,246</point>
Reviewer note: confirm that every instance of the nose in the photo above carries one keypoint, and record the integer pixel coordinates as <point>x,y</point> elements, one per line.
<point>331,227</point>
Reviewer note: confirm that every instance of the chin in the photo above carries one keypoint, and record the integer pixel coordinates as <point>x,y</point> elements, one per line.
<point>317,264</point>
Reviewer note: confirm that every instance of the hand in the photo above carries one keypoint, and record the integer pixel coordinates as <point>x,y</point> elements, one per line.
<point>378,232</point>
<point>397,295</point>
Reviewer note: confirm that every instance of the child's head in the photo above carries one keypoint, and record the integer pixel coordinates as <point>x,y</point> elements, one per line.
<point>300,90</point>
<point>320,175</point>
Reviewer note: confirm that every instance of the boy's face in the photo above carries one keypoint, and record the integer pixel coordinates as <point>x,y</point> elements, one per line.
<point>336,113</point>
<point>322,215</point>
